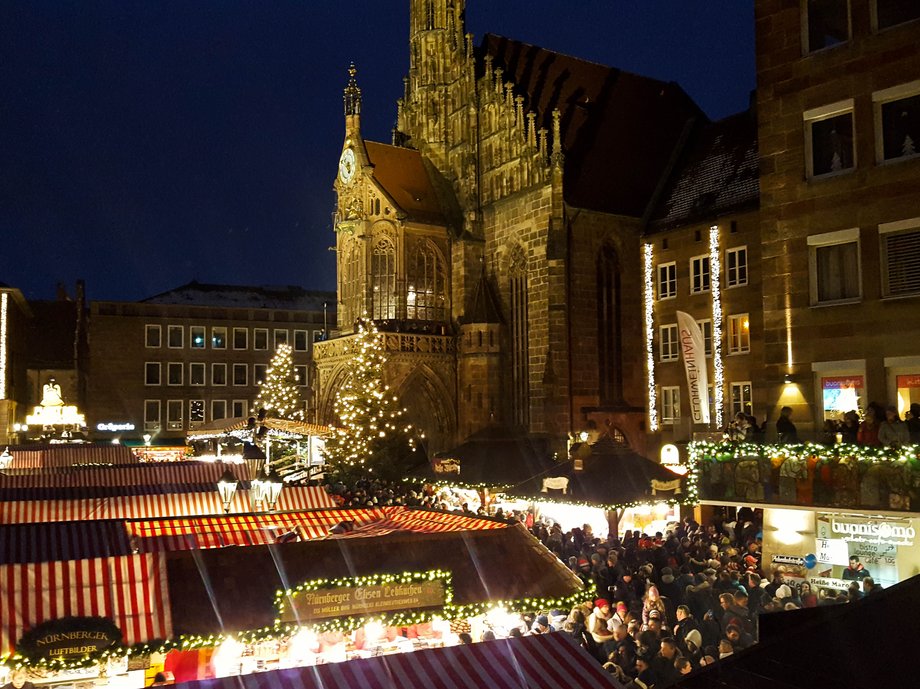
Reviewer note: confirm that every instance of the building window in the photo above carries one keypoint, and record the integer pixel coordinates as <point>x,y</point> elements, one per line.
<point>736,267</point>
<point>195,413</point>
<point>152,373</point>
<point>351,279</point>
<point>300,375</point>
<point>706,329</point>
<point>174,415</point>
<point>281,338</point>
<point>835,267</point>
<point>426,295</point>
<point>900,258</point>
<point>319,335</point>
<point>669,342</point>
<point>260,339</point>
<point>383,280</point>
<point>196,374</point>
<point>196,332</point>
<point>897,122</point>
<point>829,139</point>
<point>610,342</point>
<point>174,372</point>
<point>175,336</point>
<point>151,415</point>
<point>827,23</point>
<point>301,341</point>
<point>739,334</point>
<point>238,408</point>
<point>670,405</point>
<point>907,388</point>
<point>240,374</point>
<point>218,409</point>
<point>240,338</point>
<point>841,394</point>
<point>667,280</point>
<point>258,373</point>
<point>741,399</point>
<point>520,369</point>
<point>218,338</point>
<point>218,374</point>
<point>699,274</point>
<point>153,336</point>
<point>893,12</point>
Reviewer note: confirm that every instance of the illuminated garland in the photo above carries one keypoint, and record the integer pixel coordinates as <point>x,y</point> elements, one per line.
<point>650,339</point>
<point>705,451</point>
<point>4,300</point>
<point>718,378</point>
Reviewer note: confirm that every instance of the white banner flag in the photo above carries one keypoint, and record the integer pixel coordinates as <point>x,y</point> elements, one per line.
<point>694,351</point>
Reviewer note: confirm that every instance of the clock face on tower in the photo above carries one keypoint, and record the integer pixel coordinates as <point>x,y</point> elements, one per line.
<point>347,165</point>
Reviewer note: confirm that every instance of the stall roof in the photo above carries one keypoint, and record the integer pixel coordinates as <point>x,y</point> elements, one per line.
<point>30,458</point>
<point>221,426</point>
<point>545,661</point>
<point>827,647</point>
<point>610,476</point>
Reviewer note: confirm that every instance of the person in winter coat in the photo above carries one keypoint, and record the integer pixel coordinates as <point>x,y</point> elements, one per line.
<point>855,571</point>
<point>893,432</point>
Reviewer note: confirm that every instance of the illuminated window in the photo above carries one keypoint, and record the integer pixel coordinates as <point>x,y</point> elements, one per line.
<point>152,373</point>
<point>196,374</point>
<point>218,338</point>
<point>900,257</point>
<point>174,415</point>
<point>739,334</point>
<point>196,332</point>
<point>841,394</point>
<point>174,371</point>
<point>153,336</point>
<point>240,338</point>
<point>670,405</point>
<point>897,122</point>
<point>742,399</point>
<point>218,374</point>
<point>383,280</point>
<point>827,23</point>
<point>175,336</point>
<point>667,280</point>
<point>260,339</point>
<point>829,139</point>
<point>426,298</point>
<point>240,374</point>
<point>301,341</point>
<point>736,267</point>
<point>835,267</point>
<point>151,415</point>
<point>195,413</point>
<point>669,343</point>
<point>699,275</point>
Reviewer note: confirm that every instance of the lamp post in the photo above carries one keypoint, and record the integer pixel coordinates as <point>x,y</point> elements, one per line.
<point>226,488</point>
<point>257,490</point>
<point>272,489</point>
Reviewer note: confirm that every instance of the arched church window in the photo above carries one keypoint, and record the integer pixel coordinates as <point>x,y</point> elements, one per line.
<point>383,279</point>
<point>351,280</point>
<point>609,337</point>
<point>429,14</point>
<point>520,371</point>
<point>426,297</point>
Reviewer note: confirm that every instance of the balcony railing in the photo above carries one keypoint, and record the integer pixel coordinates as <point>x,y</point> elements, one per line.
<point>834,476</point>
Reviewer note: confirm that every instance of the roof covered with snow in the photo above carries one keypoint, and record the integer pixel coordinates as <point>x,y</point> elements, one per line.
<point>243,296</point>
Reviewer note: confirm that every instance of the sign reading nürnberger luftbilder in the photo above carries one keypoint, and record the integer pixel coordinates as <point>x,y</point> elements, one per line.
<point>69,637</point>
<point>363,600</point>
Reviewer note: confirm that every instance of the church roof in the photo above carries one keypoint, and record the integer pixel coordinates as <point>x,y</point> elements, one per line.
<point>716,173</point>
<point>619,129</point>
<point>243,296</point>
<point>403,175</point>
<point>485,307</point>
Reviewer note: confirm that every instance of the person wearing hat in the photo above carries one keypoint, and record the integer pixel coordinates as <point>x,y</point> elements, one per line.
<point>618,617</point>
<point>892,432</point>
<point>597,622</point>
<point>540,625</point>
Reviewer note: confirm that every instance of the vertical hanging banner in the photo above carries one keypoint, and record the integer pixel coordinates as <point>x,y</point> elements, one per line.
<point>694,352</point>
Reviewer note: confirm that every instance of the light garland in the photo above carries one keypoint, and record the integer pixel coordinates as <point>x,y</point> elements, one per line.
<point>718,378</point>
<point>4,301</point>
<point>707,451</point>
<point>650,338</point>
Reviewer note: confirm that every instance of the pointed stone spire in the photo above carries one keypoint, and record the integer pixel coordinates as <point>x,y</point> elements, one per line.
<point>557,156</point>
<point>352,95</point>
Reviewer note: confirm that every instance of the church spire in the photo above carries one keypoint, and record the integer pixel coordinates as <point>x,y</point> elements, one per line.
<point>352,93</point>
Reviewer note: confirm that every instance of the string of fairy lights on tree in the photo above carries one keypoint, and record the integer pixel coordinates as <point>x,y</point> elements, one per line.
<point>374,436</point>
<point>715,282</point>
<point>650,338</point>
<point>279,393</point>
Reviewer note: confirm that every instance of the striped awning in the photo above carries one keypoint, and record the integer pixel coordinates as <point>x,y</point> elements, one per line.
<point>66,456</point>
<point>544,661</point>
<point>131,591</point>
<point>222,426</point>
<point>195,500</point>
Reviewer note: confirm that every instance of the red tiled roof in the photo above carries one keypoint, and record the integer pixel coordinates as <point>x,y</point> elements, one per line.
<point>403,175</point>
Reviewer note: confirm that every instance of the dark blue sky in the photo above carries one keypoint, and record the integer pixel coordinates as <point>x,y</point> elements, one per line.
<point>146,144</point>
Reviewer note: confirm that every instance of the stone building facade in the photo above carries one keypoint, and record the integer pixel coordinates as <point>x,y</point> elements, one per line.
<point>496,241</point>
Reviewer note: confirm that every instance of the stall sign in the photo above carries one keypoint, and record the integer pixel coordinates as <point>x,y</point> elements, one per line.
<point>829,583</point>
<point>788,560</point>
<point>113,427</point>
<point>343,601</point>
<point>69,638</point>
<point>881,532</point>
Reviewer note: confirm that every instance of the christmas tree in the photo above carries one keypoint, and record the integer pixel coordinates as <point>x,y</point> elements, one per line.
<point>279,395</point>
<point>373,438</point>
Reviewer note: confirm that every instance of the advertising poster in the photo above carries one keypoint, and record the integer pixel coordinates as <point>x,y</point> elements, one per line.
<point>851,548</point>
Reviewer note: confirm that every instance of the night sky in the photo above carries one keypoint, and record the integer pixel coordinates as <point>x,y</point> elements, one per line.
<point>147,144</point>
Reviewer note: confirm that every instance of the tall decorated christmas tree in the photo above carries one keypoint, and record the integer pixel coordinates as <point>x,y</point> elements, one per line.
<point>279,394</point>
<point>373,437</point>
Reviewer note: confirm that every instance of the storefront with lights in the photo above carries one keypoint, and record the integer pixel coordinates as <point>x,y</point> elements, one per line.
<point>286,596</point>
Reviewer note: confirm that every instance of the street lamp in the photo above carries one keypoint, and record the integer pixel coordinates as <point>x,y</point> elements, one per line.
<point>226,488</point>
<point>257,490</point>
<point>272,489</point>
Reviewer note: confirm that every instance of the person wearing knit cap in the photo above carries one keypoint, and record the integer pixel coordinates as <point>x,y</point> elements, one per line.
<point>618,617</point>
<point>597,622</point>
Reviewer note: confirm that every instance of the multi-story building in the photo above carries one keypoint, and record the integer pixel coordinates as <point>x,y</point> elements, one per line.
<point>838,103</point>
<point>15,316</point>
<point>195,354</point>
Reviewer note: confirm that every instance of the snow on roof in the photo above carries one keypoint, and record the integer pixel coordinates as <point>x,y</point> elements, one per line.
<point>255,297</point>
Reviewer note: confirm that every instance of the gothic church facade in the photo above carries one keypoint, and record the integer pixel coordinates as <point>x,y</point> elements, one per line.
<point>495,240</point>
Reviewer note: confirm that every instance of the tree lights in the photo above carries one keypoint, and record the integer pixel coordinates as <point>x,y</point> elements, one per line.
<point>650,338</point>
<point>718,378</point>
<point>4,315</point>
<point>278,393</point>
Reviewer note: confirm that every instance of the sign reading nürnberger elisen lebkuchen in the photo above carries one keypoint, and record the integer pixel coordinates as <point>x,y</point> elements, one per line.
<point>350,601</point>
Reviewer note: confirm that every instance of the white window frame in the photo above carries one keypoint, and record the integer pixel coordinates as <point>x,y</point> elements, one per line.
<point>883,97</point>
<point>245,369</point>
<point>216,329</point>
<point>306,340</point>
<point>819,114</point>
<point>255,339</point>
<point>305,382</point>
<point>670,405</point>
<point>702,259</point>
<point>672,293</point>
<point>897,227</point>
<point>731,396</point>
<point>172,366</point>
<point>179,424</point>
<point>816,241</point>
<point>737,333</point>
<point>159,369</point>
<point>804,29</point>
<point>192,367</point>
<point>703,322</point>
<point>673,351</point>
<point>287,336</point>
<point>243,404</point>
<point>736,251</point>
<point>215,403</point>
<point>149,424</point>
<point>151,328</point>
<point>245,332</point>
<point>204,413</point>
<point>215,367</point>
<point>175,329</point>
<point>191,337</point>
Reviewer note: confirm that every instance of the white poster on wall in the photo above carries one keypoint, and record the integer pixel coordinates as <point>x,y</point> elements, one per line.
<point>693,348</point>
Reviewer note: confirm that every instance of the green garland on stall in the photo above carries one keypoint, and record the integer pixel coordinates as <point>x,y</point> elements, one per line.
<point>706,451</point>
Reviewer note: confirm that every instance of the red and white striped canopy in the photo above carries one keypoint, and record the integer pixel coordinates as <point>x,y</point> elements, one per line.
<point>545,661</point>
<point>66,456</point>
<point>162,474</point>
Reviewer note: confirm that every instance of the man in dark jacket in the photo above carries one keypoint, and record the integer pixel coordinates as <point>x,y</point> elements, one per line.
<point>685,623</point>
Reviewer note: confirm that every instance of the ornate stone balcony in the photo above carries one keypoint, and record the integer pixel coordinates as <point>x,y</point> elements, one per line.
<point>394,343</point>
